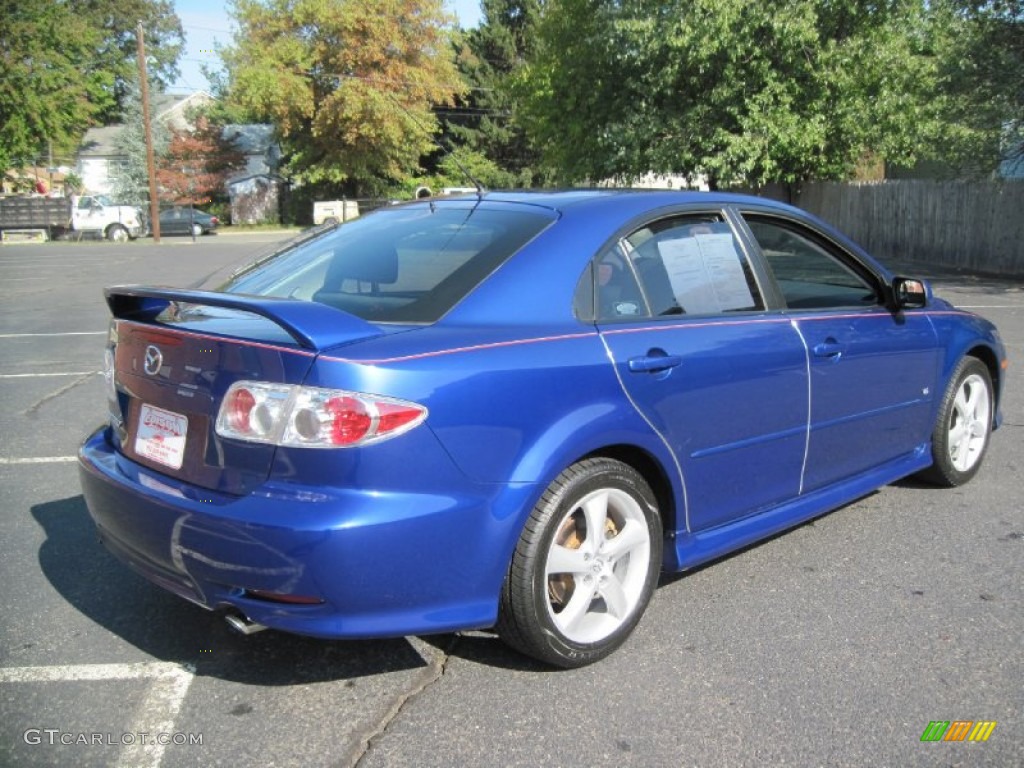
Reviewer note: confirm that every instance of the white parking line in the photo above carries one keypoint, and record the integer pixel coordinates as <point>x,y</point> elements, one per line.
<point>156,714</point>
<point>44,375</point>
<point>40,460</point>
<point>67,333</point>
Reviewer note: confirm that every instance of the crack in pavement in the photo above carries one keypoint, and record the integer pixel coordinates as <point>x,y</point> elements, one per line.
<point>434,672</point>
<point>32,409</point>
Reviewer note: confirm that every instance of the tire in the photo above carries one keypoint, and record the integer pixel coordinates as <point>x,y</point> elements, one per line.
<point>963,427</point>
<point>117,234</point>
<point>571,597</point>
<point>197,230</point>
<point>330,221</point>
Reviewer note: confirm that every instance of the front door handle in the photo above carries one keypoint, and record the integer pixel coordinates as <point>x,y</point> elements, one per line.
<point>654,361</point>
<point>829,348</point>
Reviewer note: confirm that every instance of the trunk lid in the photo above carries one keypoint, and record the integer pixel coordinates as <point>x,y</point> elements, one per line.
<point>175,353</point>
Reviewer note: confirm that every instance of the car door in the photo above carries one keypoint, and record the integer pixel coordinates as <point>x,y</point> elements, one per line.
<point>723,382</point>
<point>873,370</point>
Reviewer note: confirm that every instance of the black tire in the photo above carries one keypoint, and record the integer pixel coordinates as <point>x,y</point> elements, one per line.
<point>537,614</point>
<point>963,427</point>
<point>117,234</point>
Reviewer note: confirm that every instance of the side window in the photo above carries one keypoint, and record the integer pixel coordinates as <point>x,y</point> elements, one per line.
<point>808,273</point>
<point>681,265</point>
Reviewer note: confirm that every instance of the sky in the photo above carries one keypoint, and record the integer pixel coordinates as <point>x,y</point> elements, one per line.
<point>206,22</point>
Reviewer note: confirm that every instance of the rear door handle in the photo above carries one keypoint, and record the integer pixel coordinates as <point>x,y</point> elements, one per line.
<point>653,362</point>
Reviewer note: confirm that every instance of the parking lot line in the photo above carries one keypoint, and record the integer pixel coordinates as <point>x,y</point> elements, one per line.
<point>44,375</point>
<point>157,712</point>
<point>66,333</point>
<point>40,460</point>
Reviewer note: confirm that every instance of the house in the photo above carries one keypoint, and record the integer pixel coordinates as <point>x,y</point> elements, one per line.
<point>99,158</point>
<point>255,190</point>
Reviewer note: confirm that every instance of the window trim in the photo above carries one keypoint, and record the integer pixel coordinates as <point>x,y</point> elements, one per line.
<point>836,250</point>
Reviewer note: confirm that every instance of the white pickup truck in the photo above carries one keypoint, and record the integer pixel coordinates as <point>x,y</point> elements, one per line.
<point>94,214</point>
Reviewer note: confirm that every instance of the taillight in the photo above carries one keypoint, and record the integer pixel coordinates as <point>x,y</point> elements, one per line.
<point>312,417</point>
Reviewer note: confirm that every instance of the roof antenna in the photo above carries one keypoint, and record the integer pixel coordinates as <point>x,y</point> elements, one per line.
<point>480,189</point>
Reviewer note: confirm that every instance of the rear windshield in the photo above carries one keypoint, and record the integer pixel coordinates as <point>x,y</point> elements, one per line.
<point>397,265</point>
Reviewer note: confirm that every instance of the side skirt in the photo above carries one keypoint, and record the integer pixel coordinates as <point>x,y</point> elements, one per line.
<point>688,550</point>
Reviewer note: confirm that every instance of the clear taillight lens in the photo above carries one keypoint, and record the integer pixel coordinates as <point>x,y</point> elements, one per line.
<point>312,417</point>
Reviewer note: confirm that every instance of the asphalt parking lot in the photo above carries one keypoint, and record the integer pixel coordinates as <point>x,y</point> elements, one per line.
<point>834,644</point>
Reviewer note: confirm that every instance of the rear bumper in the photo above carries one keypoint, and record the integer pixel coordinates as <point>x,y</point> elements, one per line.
<point>384,564</point>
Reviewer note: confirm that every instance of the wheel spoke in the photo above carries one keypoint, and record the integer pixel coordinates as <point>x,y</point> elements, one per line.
<point>595,510</point>
<point>632,536</point>
<point>577,607</point>
<point>614,597</point>
<point>565,560</point>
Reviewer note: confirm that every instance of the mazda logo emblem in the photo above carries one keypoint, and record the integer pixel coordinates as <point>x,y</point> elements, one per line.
<point>153,361</point>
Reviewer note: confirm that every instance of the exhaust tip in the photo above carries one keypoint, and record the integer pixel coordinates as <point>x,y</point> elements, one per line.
<point>242,624</point>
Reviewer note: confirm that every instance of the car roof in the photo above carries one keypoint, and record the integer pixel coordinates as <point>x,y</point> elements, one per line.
<point>566,200</point>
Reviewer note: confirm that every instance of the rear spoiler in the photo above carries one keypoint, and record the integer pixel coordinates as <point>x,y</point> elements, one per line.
<point>313,325</point>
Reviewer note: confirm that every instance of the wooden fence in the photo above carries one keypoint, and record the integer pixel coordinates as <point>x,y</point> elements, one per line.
<point>974,226</point>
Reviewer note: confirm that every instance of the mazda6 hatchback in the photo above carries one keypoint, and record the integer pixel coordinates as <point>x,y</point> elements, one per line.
<point>513,411</point>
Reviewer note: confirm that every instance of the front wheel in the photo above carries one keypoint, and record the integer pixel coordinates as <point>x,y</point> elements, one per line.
<point>585,567</point>
<point>963,427</point>
<point>117,234</point>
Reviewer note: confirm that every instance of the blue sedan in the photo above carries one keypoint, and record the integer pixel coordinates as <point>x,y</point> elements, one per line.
<point>516,410</point>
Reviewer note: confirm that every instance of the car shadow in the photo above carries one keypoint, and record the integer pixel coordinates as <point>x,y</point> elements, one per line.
<point>169,628</point>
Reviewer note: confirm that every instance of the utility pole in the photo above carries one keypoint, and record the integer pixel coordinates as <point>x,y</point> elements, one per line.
<point>154,206</point>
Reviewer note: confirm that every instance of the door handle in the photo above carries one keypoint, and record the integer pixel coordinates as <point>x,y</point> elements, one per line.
<point>653,362</point>
<point>829,348</point>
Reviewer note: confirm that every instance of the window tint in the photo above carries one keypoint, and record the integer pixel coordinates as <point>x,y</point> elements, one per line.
<point>409,264</point>
<point>809,274</point>
<point>681,265</point>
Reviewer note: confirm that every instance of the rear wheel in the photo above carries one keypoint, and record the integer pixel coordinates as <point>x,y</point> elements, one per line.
<point>197,230</point>
<point>117,234</point>
<point>585,567</point>
<point>962,429</point>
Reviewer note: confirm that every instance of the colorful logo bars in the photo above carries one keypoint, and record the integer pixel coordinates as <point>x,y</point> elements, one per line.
<point>958,730</point>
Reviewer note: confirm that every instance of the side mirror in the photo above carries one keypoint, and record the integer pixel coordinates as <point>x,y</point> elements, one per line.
<point>910,293</point>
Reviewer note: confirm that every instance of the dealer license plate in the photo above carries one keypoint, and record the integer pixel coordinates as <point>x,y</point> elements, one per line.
<point>161,435</point>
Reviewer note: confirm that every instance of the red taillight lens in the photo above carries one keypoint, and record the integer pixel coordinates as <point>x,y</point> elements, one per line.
<point>238,406</point>
<point>350,420</point>
<point>312,417</point>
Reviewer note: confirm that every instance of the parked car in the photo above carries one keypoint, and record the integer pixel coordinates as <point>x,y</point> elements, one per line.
<point>514,411</point>
<point>187,221</point>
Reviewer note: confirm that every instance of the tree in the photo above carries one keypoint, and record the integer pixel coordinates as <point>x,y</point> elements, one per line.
<point>348,84</point>
<point>45,93</point>
<point>982,80</point>
<point>484,120</point>
<point>115,54</point>
<point>730,90</point>
<point>131,184</point>
<point>197,163</point>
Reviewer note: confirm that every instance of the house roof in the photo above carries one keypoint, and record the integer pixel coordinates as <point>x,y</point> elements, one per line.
<point>101,141</point>
<point>252,139</point>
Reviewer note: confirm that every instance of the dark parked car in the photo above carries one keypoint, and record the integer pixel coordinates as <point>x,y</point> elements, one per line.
<point>187,221</point>
<point>514,411</point>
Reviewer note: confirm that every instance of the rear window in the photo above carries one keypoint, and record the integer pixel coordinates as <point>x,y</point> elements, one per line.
<point>399,265</point>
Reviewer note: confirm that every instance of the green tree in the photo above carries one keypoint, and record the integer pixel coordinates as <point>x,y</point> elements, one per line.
<point>982,80</point>
<point>348,84</point>
<point>115,54</point>
<point>730,90</point>
<point>484,121</point>
<point>46,95</point>
<point>131,184</point>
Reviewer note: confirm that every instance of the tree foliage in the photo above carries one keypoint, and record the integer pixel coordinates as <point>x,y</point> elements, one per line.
<point>115,55</point>
<point>485,120</point>
<point>731,90</point>
<point>46,95</point>
<point>131,183</point>
<point>197,163</point>
<point>348,84</point>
